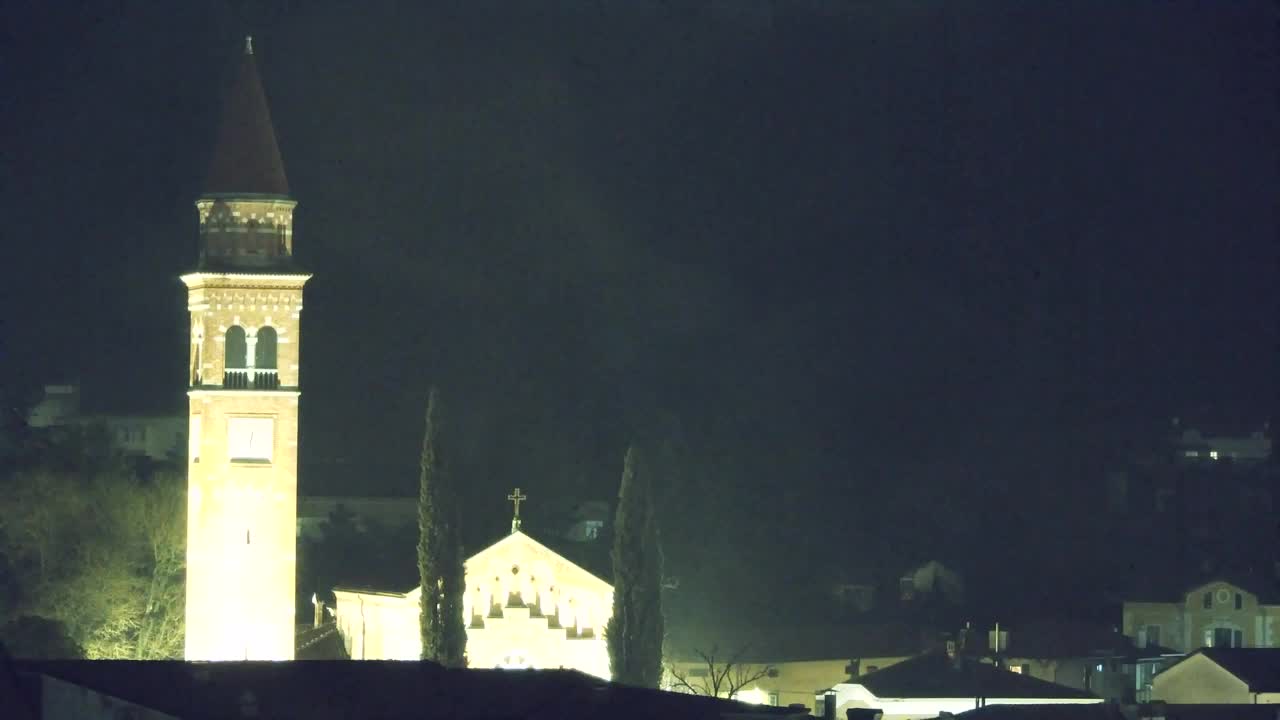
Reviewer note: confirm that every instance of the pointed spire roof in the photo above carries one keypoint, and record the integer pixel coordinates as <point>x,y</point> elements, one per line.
<point>246,159</point>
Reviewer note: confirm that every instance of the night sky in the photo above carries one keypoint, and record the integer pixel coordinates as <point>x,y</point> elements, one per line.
<point>886,275</point>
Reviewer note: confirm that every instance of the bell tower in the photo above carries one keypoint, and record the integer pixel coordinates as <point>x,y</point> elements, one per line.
<point>245,299</point>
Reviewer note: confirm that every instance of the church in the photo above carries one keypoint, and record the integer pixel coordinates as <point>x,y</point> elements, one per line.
<point>526,606</point>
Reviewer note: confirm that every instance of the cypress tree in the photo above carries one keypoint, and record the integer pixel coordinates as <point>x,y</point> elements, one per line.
<point>635,631</point>
<point>439,552</point>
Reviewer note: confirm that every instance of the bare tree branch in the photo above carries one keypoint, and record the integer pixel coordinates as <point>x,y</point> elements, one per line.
<point>716,675</point>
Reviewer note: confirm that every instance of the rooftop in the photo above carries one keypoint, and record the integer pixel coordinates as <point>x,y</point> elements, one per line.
<point>317,690</point>
<point>1259,668</point>
<point>935,675</point>
<point>246,159</point>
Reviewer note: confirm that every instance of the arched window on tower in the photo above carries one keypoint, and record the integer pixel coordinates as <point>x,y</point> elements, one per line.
<point>236,358</point>
<point>264,359</point>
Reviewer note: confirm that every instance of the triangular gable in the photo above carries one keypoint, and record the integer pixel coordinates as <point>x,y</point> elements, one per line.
<point>1255,668</point>
<point>1188,664</point>
<point>519,544</point>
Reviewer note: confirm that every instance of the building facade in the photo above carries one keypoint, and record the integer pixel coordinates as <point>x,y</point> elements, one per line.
<point>245,300</point>
<point>525,606</point>
<point>1215,614</point>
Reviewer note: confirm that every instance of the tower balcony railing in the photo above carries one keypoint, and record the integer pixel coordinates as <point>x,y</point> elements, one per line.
<point>250,379</point>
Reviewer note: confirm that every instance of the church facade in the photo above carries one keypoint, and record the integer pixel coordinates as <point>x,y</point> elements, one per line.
<point>525,607</point>
<point>245,301</point>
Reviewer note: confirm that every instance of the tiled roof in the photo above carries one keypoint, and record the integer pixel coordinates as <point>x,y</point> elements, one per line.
<point>320,690</point>
<point>246,159</point>
<point>935,675</point>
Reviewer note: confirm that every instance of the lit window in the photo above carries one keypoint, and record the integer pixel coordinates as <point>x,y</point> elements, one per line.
<point>249,439</point>
<point>1213,454</point>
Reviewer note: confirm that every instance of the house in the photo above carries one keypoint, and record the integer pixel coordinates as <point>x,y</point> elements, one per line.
<point>1219,613</point>
<point>1186,505</point>
<point>314,690</point>
<point>936,682</point>
<point>157,437</point>
<point>1078,654</point>
<point>1239,676</point>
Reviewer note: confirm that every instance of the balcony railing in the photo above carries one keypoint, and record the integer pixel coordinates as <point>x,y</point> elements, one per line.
<point>250,379</point>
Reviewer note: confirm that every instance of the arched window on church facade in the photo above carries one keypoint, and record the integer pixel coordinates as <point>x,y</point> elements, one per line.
<point>236,357</point>
<point>264,359</point>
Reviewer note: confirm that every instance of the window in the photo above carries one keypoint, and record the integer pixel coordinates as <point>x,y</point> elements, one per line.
<point>1208,600</point>
<point>193,442</point>
<point>250,439</point>
<point>1227,637</point>
<point>237,350</point>
<point>773,698</point>
<point>1239,601</point>
<point>1153,636</point>
<point>264,351</point>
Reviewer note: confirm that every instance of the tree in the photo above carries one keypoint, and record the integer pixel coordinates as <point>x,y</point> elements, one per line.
<point>97,548</point>
<point>635,631</point>
<point>724,675</point>
<point>439,552</point>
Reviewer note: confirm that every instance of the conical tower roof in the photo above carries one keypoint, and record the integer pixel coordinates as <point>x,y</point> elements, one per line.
<point>246,159</point>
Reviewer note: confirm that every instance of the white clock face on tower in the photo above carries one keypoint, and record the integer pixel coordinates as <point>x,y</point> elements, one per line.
<point>250,439</point>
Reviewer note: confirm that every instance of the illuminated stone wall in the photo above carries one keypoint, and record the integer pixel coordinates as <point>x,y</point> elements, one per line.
<point>526,605</point>
<point>246,230</point>
<point>242,496</point>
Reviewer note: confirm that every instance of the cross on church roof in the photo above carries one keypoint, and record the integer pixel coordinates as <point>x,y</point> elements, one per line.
<point>515,498</point>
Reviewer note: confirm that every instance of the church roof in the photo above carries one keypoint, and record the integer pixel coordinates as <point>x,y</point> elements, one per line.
<point>246,159</point>
<point>519,537</point>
